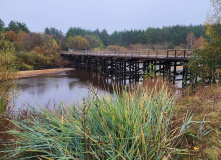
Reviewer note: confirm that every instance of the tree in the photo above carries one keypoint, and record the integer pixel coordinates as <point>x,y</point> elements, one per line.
<point>7,70</point>
<point>56,34</point>
<point>207,61</point>
<point>47,31</point>
<point>199,43</point>
<point>97,32</point>
<point>215,16</point>
<point>77,43</point>
<point>104,37</point>
<point>73,31</point>
<point>47,41</point>
<point>22,43</point>
<point>93,41</point>
<point>170,45</point>
<point>190,40</point>
<point>11,36</point>
<point>13,27</point>
<point>22,26</point>
<point>55,46</point>
<point>2,25</point>
<point>34,40</point>
<point>113,48</point>
<point>17,26</point>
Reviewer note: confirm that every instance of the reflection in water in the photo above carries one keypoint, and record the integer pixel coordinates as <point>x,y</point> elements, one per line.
<point>69,86</point>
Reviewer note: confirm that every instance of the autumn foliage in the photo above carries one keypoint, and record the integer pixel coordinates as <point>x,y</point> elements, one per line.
<point>207,62</point>
<point>34,49</point>
<point>7,70</point>
<point>77,43</point>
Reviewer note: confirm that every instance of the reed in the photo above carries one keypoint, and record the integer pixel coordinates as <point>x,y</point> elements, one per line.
<point>135,124</point>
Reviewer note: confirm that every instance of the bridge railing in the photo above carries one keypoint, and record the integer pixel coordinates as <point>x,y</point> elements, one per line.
<point>135,53</point>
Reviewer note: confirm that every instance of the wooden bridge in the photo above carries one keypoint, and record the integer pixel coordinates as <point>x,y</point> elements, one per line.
<point>132,64</point>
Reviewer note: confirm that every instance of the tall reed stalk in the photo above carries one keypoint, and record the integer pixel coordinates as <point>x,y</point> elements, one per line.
<point>135,124</point>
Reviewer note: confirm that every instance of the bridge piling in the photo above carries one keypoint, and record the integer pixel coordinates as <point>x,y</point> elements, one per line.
<point>132,65</point>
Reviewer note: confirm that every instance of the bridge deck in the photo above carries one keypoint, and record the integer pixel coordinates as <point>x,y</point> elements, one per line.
<point>157,55</point>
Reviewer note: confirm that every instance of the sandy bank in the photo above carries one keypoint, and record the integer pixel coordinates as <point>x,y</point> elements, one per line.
<point>32,73</point>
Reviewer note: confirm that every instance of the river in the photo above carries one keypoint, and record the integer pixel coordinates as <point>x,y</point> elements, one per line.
<point>69,87</point>
<point>49,90</point>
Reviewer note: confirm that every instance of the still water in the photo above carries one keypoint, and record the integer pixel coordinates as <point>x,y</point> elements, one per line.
<point>70,87</point>
<point>51,89</point>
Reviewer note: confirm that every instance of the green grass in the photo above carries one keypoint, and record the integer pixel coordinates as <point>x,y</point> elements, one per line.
<point>134,124</point>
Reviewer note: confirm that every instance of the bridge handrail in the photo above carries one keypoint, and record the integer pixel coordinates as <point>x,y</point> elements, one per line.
<point>169,53</point>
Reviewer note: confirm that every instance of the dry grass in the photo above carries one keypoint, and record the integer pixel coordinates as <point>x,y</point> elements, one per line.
<point>205,104</point>
<point>5,124</point>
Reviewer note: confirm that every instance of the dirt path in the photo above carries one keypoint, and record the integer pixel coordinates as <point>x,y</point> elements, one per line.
<point>32,73</point>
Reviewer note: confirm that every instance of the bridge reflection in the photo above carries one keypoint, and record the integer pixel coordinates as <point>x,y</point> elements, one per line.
<point>98,80</point>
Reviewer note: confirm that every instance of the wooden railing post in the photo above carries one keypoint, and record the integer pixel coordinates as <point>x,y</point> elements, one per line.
<point>175,53</point>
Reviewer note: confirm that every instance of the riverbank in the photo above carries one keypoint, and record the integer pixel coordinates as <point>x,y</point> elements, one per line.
<point>200,141</point>
<point>33,73</point>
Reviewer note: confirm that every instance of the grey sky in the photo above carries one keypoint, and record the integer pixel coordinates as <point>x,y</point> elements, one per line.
<point>113,15</point>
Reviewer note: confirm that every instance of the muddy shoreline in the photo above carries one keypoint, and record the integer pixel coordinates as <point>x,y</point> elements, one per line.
<point>33,73</point>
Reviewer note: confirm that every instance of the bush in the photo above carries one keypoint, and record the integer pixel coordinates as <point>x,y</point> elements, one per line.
<point>133,124</point>
<point>26,67</point>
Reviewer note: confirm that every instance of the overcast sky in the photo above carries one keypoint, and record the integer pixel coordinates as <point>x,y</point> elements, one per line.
<point>112,15</point>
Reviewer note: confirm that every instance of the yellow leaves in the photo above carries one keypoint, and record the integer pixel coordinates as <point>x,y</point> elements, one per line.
<point>37,49</point>
<point>196,148</point>
<point>54,44</point>
<point>77,43</point>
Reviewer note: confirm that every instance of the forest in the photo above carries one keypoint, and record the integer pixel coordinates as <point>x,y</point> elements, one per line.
<point>41,50</point>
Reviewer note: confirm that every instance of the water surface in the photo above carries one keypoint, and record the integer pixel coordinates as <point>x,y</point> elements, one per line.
<point>68,86</point>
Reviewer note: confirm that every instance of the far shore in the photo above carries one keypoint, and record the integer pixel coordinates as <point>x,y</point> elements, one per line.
<point>33,73</point>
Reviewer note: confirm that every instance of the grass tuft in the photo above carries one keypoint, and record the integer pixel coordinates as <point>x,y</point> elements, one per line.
<point>134,124</point>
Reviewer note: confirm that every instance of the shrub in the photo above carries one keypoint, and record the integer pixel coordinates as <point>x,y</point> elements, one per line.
<point>134,124</point>
<point>26,67</point>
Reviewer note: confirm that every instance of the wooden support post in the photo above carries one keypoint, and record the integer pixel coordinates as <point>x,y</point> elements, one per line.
<point>137,74</point>
<point>85,63</point>
<point>184,77</point>
<point>129,64</point>
<point>174,72</point>
<point>160,68</point>
<point>116,68</point>
<point>125,69</point>
<point>112,67</point>
<point>164,69</point>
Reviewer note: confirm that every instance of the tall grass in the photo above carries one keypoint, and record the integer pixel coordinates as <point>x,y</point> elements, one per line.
<point>135,124</point>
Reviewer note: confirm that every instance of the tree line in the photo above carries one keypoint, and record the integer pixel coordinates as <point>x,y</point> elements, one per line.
<point>153,38</point>
<point>76,38</point>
